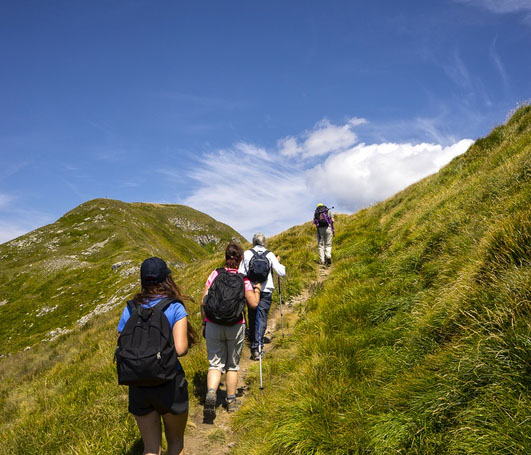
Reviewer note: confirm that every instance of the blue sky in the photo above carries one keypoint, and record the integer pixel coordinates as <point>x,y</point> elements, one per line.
<point>252,112</point>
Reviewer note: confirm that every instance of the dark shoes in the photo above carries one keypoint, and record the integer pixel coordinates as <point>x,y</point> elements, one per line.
<point>233,405</point>
<point>328,261</point>
<point>255,355</point>
<point>210,402</point>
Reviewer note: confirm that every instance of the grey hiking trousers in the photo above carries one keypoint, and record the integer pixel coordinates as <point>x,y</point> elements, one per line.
<point>324,243</point>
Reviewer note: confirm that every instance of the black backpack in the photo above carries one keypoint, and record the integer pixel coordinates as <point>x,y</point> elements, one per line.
<point>225,300</point>
<point>259,267</point>
<point>321,216</point>
<point>146,354</point>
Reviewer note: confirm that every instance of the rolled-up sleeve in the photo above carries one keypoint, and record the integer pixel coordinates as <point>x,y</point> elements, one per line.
<point>277,266</point>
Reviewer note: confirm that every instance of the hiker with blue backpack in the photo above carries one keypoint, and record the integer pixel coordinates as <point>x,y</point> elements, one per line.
<point>225,296</point>
<point>324,221</point>
<point>154,332</point>
<point>258,264</point>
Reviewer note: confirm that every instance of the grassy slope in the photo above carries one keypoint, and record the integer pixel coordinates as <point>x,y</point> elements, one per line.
<point>420,340</point>
<point>53,277</point>
<point>61,396</point>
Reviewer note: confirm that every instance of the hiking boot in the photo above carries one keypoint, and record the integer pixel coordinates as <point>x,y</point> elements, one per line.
<point>210,402</point>
<point>255,355</point>
<point>266,340</point>
<point>328,261</point>
<point>233,405</point>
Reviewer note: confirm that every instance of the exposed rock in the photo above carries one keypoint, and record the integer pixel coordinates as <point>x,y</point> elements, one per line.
<point>205,239</point>
<point>45,310</point>
<point>52,335</point>
<point>114,301</point>
<point>185,224</point>
<point>96,247</point>
<point>117,265</point>
<point>25,241</point>
<point>59,263</point>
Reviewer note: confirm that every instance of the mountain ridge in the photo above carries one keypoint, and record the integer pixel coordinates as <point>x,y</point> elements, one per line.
<point>92,249</point>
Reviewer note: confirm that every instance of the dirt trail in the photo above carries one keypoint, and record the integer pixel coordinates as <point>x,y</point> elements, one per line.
<point>216,437</point>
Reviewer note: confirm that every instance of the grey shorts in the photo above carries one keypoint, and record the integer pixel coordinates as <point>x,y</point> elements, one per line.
<point>224,346</point>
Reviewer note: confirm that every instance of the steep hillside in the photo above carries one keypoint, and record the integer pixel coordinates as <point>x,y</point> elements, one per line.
<point>420,341</point>
<point>60,276</point>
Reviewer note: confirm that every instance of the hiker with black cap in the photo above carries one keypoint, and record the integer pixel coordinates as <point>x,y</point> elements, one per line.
<point>257,264</point>
<point>149,364</point>
<point>324,221</point>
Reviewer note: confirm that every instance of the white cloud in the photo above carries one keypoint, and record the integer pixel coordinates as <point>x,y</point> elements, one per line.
<point>323,139</point>
<point>10,231</point>
<point>458,72</point>
<point>267,195</point>
<point>504,7</point>
<point>16,220</point>
<point>369,173</point>
<point>499,66</point>
<point>501,6</point>
<point>252,189</point>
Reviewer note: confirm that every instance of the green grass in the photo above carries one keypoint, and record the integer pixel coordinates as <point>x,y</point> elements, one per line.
<point>419,341</point>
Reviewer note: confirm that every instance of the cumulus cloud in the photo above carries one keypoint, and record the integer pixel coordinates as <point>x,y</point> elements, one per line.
<point>253,189</point>
<point>323,139</point>
<point>368,173</point>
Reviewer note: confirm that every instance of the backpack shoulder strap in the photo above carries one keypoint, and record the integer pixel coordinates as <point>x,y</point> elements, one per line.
<point>257,254</point>
<point>220,271</point>
<point>132,307</point>
<point>165,303</point>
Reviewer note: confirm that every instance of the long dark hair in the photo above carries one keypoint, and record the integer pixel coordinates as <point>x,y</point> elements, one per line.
<point>233,255</point>
<point>167,288</point>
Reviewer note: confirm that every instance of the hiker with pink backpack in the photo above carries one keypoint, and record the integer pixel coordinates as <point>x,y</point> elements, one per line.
<point>225,296</point>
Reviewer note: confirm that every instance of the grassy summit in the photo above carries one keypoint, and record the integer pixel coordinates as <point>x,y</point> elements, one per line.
<point>58,277</point>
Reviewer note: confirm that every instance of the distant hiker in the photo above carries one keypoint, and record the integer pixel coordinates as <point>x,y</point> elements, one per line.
<point>257,264</point>
<point>154,327</point>
<point>323,220</point>
<point>224,298</point>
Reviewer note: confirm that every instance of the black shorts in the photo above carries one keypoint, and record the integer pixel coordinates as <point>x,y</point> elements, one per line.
<point>170,397</point>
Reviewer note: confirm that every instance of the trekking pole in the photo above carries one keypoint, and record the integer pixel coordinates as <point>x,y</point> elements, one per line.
<point>281,312</point>
<point>260,357</point>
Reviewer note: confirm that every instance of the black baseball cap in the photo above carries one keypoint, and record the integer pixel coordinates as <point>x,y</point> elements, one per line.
<point>153,271</point>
